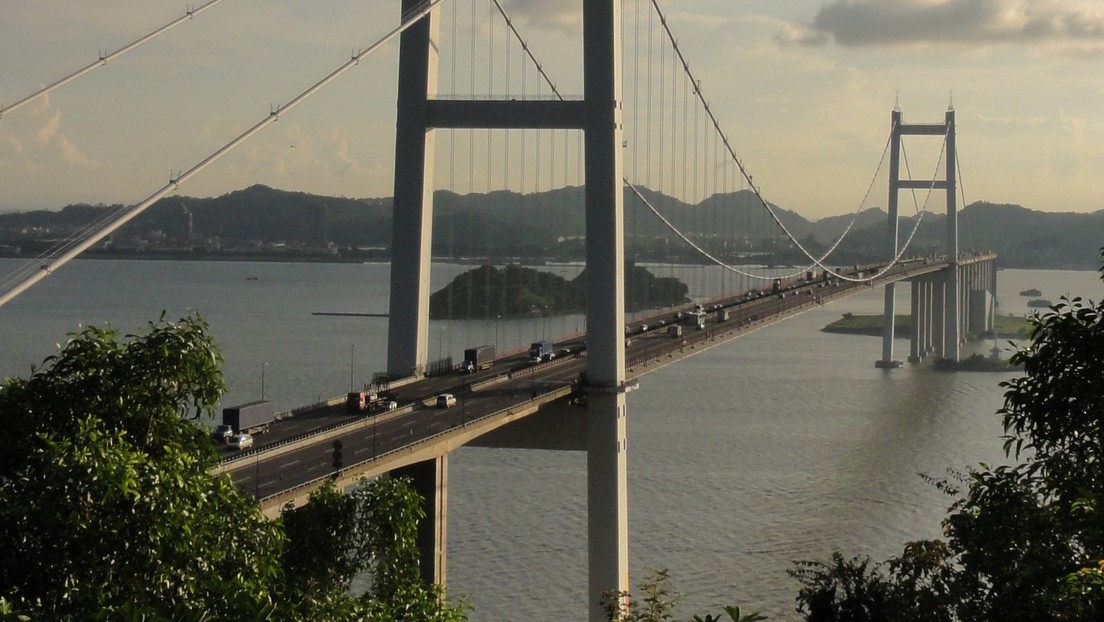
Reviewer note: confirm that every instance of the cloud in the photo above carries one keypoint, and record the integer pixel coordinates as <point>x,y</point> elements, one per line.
<point>552,14</point>
<point>856,23</point>
<point>792,36</point>
<point>37,141</point>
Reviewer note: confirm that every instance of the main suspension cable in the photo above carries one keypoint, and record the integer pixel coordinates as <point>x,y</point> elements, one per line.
<point>105,58</point>
<point>410,18</point>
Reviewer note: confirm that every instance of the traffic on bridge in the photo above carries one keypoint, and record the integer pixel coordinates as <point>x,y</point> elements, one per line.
<point>396,422</point>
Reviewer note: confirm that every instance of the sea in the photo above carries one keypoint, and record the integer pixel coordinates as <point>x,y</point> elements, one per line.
<point>786,444</point>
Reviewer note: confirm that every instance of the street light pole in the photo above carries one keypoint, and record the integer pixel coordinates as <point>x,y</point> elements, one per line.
<point>263,366</point>
<point>352,350</point>
<point>497,318</point>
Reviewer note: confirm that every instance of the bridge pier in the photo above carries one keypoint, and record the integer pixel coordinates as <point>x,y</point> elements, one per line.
<point>430,480</point>
<point>981,301</point>
<point>919,321</point>
<point>931,298</point>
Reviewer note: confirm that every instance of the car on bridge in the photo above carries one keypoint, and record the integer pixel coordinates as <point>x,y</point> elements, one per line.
<point>446,400</point>
<point>240,441</point>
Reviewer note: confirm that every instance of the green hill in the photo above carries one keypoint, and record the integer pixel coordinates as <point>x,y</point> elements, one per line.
<point>503,226</point>
<point>514,291</point>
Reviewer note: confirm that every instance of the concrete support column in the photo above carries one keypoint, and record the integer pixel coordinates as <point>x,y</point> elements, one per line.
<point>889,320</point>
<point>431,482</point>
<point>964,282</point>
<point>888,316</point>
<point>939,318</point>
<point>412,209</point>
<point>607,481</point>
<point>929,317</point>
<point>917,322</point>
<point>963,308</point>
<point>991,285</point>
<point>607,498</point>
<point>923,327</point>
<point>952,296</point>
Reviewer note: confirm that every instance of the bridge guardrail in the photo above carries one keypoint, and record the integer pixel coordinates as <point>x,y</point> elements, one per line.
<point>532,369</point>
<point>290,492</point>
<point>229,461</point>
<point>493,380</point>
<point>338,425</point>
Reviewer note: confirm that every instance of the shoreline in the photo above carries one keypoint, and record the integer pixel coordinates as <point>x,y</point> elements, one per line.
<point>1006,326</point>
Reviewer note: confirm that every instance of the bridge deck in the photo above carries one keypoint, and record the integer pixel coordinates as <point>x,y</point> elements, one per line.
<point>297,456</point>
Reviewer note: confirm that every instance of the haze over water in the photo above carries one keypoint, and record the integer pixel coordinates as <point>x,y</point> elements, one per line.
<point>784,444</point>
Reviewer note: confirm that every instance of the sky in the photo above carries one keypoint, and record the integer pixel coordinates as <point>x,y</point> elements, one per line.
<point>804,90</point>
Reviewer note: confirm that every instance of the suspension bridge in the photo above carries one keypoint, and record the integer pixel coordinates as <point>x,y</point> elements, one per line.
<point>660,183</point>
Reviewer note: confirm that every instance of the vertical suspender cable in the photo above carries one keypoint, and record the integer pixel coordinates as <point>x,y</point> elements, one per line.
<point>468,208</point>
<point>452,164</point>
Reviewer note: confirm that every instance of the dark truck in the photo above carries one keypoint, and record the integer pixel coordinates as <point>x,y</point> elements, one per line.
<point>541,351</point>
<point>477,358</point>
<point>251,418</point>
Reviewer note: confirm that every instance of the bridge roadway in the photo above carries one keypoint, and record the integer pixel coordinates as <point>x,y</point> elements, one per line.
<point>296,455</point>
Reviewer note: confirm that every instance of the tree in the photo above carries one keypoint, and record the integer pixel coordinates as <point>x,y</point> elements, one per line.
<point>658,604</point>
<point>105,499</point>
<point>108,509</point>
<point>1023,541</point>
<point>371,531</point>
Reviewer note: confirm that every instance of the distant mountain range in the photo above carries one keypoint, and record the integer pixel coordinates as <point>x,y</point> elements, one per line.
<point>547,225</point>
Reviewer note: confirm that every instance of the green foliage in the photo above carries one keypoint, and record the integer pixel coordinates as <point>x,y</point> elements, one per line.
<point>1025,541</point>
<point>105,499</point>
<point>871,324</point>
<point>514,291</point>
<point>659,602</point>
<point>108,510</point>
<point>370,531</point>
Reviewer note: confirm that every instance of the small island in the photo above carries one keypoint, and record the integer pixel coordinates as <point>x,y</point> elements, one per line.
<point>1005,326</point>
<point>1040,303</point>
<point>1031,293</point>
<point>514,291</point>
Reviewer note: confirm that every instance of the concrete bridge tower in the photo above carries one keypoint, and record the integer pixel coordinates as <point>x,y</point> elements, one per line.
<point>598,116</point>
<point>945,294</point>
